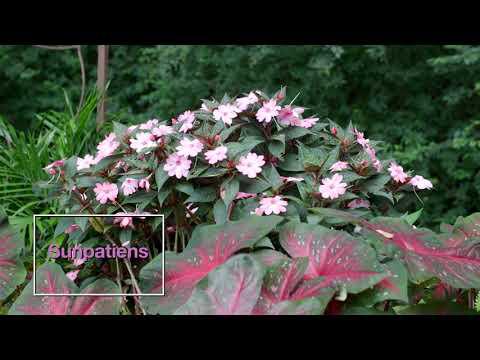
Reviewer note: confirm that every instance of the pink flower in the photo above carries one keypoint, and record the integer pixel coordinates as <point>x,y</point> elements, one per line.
<point>216,155</point>
<point>186,119</point>
<point>358,203</point>
<point>190,211</point>
<point>129,186</point>
<point>108,146</point>
<point>149,125</point>
<point>291,179</point>
<point>377,165</point>
<point>124,221</point>
<point>105,192</point>
<point>397,173</point>
<point>71,228</point>
<point>251,165</point>
<point>79,261</point>
<point>162,130</point>
<point>421,183</point>
<point>132,129</point>
<point>339,166</point>
<point>85,163</point>
<point>333,187</point>
<point>274,205</point>
<point>258,211</point>
<point>268,111</point>
<point>290,116</point>
<point>51,167</point>
<point>226,113</point>
<point>72,275</point>
<point>361,138</point>
<point>144,184</point>
<point>243,195</point>
<point>308,122</point>
<point>189,147</point>
<point>177,165</point>
<point>373,157</point>
<point>243,102</point>
<point>143,140</point>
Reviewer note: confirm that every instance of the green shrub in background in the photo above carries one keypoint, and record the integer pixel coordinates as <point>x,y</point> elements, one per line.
<point>422,99</point>
<point>24,154</point>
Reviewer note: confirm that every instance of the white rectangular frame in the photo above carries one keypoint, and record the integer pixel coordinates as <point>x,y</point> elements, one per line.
<point>35,216</point>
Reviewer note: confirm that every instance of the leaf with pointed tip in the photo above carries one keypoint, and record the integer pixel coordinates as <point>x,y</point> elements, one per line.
<point>209,247</point>
<point>336,259</point>
<point>453,258</point>
<point>98,305</point>
<point>50,279</point>
<point>231,289</point>
<point>12,271</point>
<point>393,287</point>
<point>278,295</point>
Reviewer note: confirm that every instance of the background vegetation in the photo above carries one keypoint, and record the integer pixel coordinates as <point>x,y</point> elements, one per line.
<point>422,100</point>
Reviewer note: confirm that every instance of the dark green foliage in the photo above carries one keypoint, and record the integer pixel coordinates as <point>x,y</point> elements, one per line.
<point>423,99</point>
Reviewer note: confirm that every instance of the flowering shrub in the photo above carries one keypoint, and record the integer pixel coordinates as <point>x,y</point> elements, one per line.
<point>309,204</point>
<point>229,159</point>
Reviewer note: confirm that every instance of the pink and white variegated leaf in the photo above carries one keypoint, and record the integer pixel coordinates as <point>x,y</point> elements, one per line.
<point>452,258</point>
<point>393,287</point>
<point>279,287</point>
<point>50,279</point>
<point>231,289</point>
<point>336,259</point>
<point>12,271</point>
<point>209,247</point>
<point>98,305</point>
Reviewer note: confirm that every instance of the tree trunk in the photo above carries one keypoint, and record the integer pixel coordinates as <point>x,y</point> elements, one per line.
<point>102,73</point>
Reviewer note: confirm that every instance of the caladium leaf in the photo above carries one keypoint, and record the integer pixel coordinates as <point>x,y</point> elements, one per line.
<point>279,296</point>
<point>393,287</point>
<point>231,289</point>
<point>12,271</point>
<point>336,259</point>
<point>452,258</point>
<point>97,305</point>
<point>209,247</point>
<point>50,279</point>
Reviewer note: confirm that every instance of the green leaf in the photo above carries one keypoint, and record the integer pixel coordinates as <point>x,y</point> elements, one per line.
<point>186,188</point>
<point>291,162</point>
<point>220,212</point>
<point>202,195</point>
<point>413,217</point>
<point>161,176</point>
<point>272,175</point>
<point>88,181</point>
<point>231,187</point>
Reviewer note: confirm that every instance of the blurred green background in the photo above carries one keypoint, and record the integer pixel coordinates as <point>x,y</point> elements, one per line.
<point>423,101</point>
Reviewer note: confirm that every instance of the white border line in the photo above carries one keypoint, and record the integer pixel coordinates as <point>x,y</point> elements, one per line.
<point>97,215</point>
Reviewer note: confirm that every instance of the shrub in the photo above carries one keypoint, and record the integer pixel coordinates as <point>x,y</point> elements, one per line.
<point>267,211</point>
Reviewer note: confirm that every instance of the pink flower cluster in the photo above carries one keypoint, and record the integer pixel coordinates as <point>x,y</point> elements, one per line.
<point>365,144</point>
<point>399,176</point>
<point>271,205</point>
<point>333,187</point>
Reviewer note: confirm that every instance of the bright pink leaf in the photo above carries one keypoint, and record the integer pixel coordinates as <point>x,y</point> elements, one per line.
<point>279,291</point>
<point>209,247</point>
<point>231,289</point>
<point>50,279</point>
<point>453,258</point>
<point>12,271</point>
<point>336,259</point>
